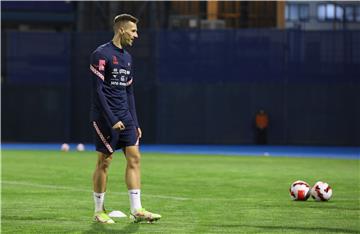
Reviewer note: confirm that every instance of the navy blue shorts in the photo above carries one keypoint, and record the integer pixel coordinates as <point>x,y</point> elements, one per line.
<point>107,140</point>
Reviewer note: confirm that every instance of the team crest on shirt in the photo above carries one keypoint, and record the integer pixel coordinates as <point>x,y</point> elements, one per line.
<point>115,61</point>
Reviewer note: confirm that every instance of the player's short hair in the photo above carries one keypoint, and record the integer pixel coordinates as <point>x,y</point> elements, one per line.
<point>119,20</point>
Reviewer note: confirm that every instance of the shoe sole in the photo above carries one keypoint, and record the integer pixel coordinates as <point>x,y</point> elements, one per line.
<point>139,220</point>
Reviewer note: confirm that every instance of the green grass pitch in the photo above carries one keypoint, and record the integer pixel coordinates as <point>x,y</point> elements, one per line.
<point>51,192</point>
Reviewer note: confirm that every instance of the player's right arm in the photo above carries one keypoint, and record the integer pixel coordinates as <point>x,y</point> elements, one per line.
<point>98,66</point>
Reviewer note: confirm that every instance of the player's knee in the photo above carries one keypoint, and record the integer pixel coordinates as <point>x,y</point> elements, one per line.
<point>104,162</point>
<point>134,160</point>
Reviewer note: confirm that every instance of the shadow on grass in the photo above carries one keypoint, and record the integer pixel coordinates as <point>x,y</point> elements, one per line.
<point>112,228</point>
<point>284,228</point>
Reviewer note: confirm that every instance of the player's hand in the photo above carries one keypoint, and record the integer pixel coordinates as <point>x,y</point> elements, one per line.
<point>139,132</point>
<point>119,126</point>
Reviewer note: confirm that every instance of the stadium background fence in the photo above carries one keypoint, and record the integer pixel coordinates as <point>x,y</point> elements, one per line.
<point>192,86</point>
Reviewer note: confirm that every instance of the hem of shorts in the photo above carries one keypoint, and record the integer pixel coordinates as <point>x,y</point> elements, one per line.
<point>105,151</point>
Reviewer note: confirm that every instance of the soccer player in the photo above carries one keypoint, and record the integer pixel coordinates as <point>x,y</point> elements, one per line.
<point>114,117</point>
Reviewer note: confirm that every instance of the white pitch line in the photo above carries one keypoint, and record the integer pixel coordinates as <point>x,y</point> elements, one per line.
<point>84,190</point>
<point>124,193</point>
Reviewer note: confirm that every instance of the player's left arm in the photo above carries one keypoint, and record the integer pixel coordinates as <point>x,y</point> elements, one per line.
<point>131,102</point>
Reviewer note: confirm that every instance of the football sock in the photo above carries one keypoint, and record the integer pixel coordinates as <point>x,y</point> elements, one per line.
<point>99,201</point>
<point>135,201</point>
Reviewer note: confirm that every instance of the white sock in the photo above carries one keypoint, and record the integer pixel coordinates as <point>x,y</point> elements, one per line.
<point>99,201</point>
<point>135,201</point>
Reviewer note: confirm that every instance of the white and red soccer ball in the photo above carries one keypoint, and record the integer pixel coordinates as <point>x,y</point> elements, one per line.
<point>299,190</point>
<point>321,191</point>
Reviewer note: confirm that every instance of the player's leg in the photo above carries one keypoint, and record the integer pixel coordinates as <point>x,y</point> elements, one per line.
<point>99,183</point>
<point>104,142</point>
<point>100,173</point>
<point>132,173</point>
<point>132,176</point>
<point>133,182</point>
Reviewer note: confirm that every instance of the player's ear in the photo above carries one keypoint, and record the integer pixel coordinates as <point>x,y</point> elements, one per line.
<point>121,30</point>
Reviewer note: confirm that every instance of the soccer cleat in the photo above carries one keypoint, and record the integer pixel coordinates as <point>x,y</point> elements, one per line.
<point>102,217</point>
<point>144,215</point>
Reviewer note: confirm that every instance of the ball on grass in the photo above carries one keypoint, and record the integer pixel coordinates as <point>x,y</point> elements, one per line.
<point>80,147</point>
<point>321,191</point>
<point>299,190</point>
<point>65,147</point>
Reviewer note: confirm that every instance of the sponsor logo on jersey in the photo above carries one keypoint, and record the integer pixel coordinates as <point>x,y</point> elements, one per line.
<point>122,71</point>
<point>119,83</point>
<point>115,72</point>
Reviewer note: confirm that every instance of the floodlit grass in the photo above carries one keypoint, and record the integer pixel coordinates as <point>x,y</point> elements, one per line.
<point>51,192</point>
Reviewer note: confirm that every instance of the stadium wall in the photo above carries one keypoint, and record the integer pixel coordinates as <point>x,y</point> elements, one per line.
<point>192,86</point>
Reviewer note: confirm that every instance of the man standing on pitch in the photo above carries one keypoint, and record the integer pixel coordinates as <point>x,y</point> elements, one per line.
<point>114,117</point>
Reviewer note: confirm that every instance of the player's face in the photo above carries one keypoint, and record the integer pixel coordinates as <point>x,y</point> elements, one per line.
<point>129,33</point>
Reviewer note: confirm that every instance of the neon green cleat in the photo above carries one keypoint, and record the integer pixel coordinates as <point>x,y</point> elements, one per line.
<point>144,215</point>
<point>102,217</point>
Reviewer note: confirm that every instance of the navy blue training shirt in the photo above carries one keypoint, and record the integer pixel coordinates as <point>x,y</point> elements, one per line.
<point>112,79</point>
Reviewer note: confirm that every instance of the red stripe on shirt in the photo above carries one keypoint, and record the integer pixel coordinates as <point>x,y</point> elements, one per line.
<point>107,145</point>
<point>96,72</point>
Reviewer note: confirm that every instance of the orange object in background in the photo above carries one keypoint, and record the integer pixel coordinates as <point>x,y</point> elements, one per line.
<point>262,120</point>
<point>261,124</point>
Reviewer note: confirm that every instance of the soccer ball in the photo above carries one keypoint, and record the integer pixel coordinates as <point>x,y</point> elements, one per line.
<point>299,190</point>
<point>321,191</point>
<point>80,147</point>
<point>65,147</point>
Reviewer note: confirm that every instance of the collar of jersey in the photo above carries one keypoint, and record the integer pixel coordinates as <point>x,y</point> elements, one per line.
<point>117,48</point>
